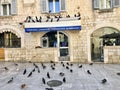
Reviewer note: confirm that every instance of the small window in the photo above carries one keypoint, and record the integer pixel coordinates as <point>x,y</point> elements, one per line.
<point>116,3</point>
<point>8,8</point>
<point>52,6</point>
<point>103,4</point>
<point>4,6</point>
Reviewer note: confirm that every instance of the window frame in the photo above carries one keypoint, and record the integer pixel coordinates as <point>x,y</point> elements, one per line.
<point>45,6</point>
<point>8,8</point>
<point>114,4</point>
<point>11,8</point>
<point>96,5</point>
<point>105,5</point>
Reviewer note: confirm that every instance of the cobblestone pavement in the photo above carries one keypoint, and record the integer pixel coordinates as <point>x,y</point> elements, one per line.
<point>79,79</point>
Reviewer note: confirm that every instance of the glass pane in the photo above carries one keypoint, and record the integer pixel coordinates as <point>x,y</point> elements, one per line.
<point>9,9</point>
<point>63,40</point>
<point>4,9</point>
<point>64,52</point>
<point>57,6</point>
<point>9,40</point>
<point>105,4</point>
<point>51,9</point>
<point>1,39</point>
<point>62,6</point>
<point>52,39</point>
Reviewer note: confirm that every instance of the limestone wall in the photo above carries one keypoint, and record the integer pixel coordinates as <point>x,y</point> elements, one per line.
<point>112,54</point>
<point>34,55</point>
<point>91,20</point>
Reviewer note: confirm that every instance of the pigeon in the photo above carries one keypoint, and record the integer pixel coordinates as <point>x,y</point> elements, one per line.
<point>29,74</point>
<point>75,15</point>
<point>43,80</point>
<point>79,18</point>
<point>71,64</point>
<point>55,16</point>
<point>40,17</point>
<point>51,20</point>
<point>91,64</point>
<point>35,65</point>
<point>33,21</point>
<point>63,65</point>
<point>49,89</point>
<point>61,74</point>
<point>48,17</point>
<point>16,64</point>
<point>24,72</point>
<point>64,79</point>
<point>61,62</point>
<point>49,11</point>
<point>53,64</point>
<point>38,70</point>
<point>48,75</point>
<point>80,66</point>
<point>88,71</point>
<point>33,70</point>
<point>118,73</point>
<point>53,68</point>
<point>58,19</point>
<point>47,20</point>
<point>68,16</point>
<point>6,68</point>
<point>40,20</point>
<point>104,81</point>
<point>67,63</point>
<point>71,70</point>
<point>78,14</point>
<point>44,67</point>
<point>67,67</point>
<point>23,86</point>
<point>11,80</point>
<point>37,19</point>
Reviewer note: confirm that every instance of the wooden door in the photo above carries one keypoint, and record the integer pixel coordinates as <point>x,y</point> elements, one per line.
<point>2,54</point>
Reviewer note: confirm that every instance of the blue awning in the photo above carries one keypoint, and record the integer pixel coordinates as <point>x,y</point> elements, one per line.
<point>40,29</point>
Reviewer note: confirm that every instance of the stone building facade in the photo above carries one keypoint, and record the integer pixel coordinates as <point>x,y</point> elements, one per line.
<point>78,29</point>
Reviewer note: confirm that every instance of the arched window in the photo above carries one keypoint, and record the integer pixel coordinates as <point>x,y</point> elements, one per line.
<point>55,39</point>
<point>60,40</point>
<point>9,40</point>
<point>105,36</point>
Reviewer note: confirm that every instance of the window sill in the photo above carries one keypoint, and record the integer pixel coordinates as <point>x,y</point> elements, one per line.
<point>54,13</point>
<point>5,15</point>
<point>105,10</point>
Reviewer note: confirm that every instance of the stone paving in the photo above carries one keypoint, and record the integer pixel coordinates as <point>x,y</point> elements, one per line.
<point>79,79</point>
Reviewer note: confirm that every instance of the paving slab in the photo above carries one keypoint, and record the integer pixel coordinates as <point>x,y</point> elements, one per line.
<point>79,79</point>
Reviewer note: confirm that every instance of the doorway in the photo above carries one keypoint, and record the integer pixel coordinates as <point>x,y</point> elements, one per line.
<point>98,43</point>
<point>59,40</point>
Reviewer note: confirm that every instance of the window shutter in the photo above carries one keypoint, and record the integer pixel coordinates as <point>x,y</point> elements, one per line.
<point>44,6</point>
<point>62,5</point>
<point>96,4</point>
<point>116,3</point>
<point>0,9</point>
<point>13,6</point>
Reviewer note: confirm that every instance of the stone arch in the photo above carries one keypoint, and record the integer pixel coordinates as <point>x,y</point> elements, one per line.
<point>9,28</point>
<point>15,30</point>
<point>97,27</point>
